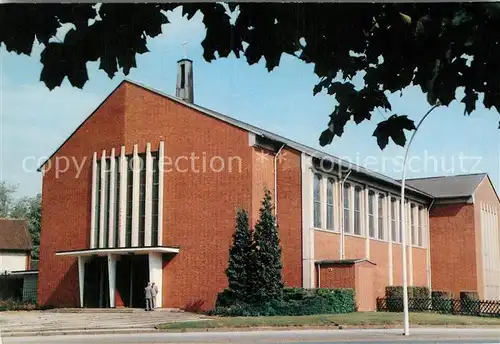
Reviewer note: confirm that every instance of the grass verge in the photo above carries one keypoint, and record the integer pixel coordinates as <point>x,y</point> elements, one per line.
<point>352,320</point>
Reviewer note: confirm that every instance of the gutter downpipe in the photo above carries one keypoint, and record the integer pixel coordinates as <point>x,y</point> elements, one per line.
<point>276,183</point>
<point>406,317</point>
<point>341,207</point>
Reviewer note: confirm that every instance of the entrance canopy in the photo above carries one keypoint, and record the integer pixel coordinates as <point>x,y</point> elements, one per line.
<point>154,268</point>
<point>119,251</point>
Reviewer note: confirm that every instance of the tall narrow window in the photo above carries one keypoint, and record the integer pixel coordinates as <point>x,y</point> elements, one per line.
<point>357,210</point>
<point>371,214</point>
<point>183,75</point>
<point>107,190</point>
<point>394,211</point>
<point>347,202</point>
<point>420,241</point>
<point>381,216</point>
<point>130,183</point>
<point>317,201</point>
<point>413,225</point>
<point>400,233</point>
<point>97,204</point>
<point>329,204</point>
<point>154,217</point>
<point>142,199</point>
<point>117,201</point>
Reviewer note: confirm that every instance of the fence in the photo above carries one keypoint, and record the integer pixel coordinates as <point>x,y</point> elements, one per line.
<point>440,305</point>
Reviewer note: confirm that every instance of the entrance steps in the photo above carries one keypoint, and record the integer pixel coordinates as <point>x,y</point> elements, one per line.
<point>111,310</point>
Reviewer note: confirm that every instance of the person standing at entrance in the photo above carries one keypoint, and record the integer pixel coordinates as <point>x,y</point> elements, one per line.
<point>148,294</point>
<point>154,292</point>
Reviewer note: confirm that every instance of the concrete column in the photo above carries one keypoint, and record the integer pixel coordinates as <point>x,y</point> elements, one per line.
<point>149,196</point>
<point>307,222</point>
<point>103,184</point>
<point>111,202</point>
<point>123,199</point>
<point>112,279</point>
<point>93,228</point>
<point>161,179</point>
<point>135,198</point>
<point>81,277</point>
<point>156,275</point>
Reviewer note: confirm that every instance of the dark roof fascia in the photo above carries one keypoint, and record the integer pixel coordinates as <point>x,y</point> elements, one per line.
<point>16,250</point>
<point>454,200</point>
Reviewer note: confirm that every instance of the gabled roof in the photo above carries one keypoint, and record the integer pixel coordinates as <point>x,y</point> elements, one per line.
<point>14,235</point>
<point>263,133</point>
<point>457,186</point>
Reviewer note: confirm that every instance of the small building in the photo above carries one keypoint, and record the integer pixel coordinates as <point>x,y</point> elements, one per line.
<point>18,272</point>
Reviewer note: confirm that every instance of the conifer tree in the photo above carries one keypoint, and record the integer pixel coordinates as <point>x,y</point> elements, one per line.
<point>266,282</point>
<point>239,258</point>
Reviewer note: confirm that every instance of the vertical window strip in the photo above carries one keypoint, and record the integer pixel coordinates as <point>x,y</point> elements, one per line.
<point>357,210</point>
<point>371,214</point>
<point>97,204</point>
<point>420,226</point>
<point>128,227</point>
<point>394,210</point>
<point>381,214</point>
<point>330,204</point>
<point>154,207</point>
<point>117,201</point>
<point>347,210</point>
<point>317,201</point>
<point>142,199</point>
<point>107,175</point>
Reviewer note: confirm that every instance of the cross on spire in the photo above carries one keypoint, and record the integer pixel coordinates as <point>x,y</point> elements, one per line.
<point>185,46</point>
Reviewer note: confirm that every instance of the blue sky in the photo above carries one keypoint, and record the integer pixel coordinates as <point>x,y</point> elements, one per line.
<point>35,121</point>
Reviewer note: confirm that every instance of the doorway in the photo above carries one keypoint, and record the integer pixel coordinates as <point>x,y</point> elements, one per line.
<point>132,276</point>
<point>96,284</point>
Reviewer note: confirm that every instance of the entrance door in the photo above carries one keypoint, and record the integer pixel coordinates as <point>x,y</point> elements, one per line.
<point>96,285</point>
<point>132,276</point>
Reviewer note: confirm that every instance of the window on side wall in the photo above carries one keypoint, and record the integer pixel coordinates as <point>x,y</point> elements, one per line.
<point>371,214</point>
<point>357,210</point>
<point>394,224</point>
<point>381,214</point>
<point>330,194</point>
<point>421,226</point>
<point>317,201</point>
<point>347,200</point>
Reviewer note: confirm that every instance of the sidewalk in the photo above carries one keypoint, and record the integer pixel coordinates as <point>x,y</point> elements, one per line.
<point>35,323</point>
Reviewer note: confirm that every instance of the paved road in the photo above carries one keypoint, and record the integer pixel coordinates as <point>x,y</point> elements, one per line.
<point>419,335</point>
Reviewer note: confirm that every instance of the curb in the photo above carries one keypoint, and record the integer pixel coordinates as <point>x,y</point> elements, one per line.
<point>77,332</point>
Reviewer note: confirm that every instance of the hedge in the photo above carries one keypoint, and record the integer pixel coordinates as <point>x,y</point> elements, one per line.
<point>469,303</point>
<point>442,301</point>
<point>394,296</point>
<point>13,305</point>
<point>295,301</point>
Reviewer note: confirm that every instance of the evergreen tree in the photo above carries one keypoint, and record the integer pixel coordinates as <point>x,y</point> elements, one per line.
<point>266,282</point>
<point>239,257</point>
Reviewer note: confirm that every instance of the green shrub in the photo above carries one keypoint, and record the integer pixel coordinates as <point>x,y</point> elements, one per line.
<point>13,305</point>
<point>470,303</point>
<point>442,301</point>
<point>225,298</point>
<point>416,292</point>
<point>296,301</point>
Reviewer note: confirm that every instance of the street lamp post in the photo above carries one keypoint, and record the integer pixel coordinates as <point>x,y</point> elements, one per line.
<point>403,228</point>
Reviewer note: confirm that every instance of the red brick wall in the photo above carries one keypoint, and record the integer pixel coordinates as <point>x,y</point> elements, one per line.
<point>336,276</point>
<point>355,247</point>
<point>290,216</point>
<point>326,245</point>
<point>66,202</point>
<point>419,266</point>
<point>453,241</point>
<point>379,254</point>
